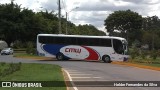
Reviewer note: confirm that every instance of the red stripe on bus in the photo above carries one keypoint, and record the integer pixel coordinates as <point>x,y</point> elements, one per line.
<point>92,54</point>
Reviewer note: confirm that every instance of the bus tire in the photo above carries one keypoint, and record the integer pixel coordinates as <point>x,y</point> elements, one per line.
<point>60,56</point>
<point>106,59</point>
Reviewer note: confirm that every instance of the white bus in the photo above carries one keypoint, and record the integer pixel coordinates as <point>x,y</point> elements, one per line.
<point>90,48</point>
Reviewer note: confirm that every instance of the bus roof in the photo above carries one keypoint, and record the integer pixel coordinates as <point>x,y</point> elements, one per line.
<point>86,36</point>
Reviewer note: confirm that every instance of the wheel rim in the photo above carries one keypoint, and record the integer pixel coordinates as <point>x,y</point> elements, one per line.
<point>60,57</point>
<point>106,59</point>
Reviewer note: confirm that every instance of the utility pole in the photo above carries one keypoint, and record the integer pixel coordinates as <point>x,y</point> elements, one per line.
<point>12,0</point>
<point>67,18</point>
<point>66,23</point>
<point>153,40</point>
<point>59,15</point>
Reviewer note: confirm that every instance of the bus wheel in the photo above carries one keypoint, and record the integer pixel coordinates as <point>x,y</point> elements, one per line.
<point>60,56</point>
<point>106,59</point>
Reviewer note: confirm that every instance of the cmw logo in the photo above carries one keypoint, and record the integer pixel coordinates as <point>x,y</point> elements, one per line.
<point>73,50</point>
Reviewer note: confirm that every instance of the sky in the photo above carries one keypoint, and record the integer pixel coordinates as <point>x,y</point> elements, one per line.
<point>92,12</point>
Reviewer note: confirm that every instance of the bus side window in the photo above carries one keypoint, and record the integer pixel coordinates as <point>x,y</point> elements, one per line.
<point>44,39</point>
<point>50,40</point>
<point>81,41</point>
<point>59,40</point>
<point>70,41</point>
<point>91,42</point>
<point>105,42</point>
<point>41,39</point>
<point>73,41</point>
<point>67,40</point>
<point>94,42</point>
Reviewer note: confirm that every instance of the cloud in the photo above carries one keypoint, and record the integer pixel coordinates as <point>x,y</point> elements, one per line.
<point>51,5</point>
<point>4,1</point>
<point>107,5</point>
<point>95,12</point>
<point>141,1</point>
<point>94,18</point>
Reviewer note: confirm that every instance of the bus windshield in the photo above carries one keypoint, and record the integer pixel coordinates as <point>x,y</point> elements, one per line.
<point>120,47</point>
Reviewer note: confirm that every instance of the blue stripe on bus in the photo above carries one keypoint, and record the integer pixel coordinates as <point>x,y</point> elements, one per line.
<point>52,48</point>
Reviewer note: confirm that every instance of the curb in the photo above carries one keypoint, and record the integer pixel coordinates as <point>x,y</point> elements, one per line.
<point>67,78</point>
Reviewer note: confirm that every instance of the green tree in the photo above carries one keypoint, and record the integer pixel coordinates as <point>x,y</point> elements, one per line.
<point>151,32</point>
<point>151,23</point>
<point>152,39</point>
<point>51,21</point>
<point>89,30</point>
<point>128,23</point>
<point>10,18</point>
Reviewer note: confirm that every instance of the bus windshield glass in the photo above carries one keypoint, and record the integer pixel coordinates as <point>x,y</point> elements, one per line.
<point>120,47</point>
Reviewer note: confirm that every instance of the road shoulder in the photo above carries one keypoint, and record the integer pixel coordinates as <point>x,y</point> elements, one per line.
<point>137,65</point>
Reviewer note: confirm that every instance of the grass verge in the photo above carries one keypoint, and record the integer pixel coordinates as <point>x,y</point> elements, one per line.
<point>36,72</point>
<point>154,65</point>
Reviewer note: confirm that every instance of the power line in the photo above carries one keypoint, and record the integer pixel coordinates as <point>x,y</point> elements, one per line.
<point>64,5</point>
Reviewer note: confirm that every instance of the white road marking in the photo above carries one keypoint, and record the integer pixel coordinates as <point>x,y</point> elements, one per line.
<point>75,88</point>
<point>85,77</point>
<point>75,72</point>
<point>71,70</point>
<point>81,74</point>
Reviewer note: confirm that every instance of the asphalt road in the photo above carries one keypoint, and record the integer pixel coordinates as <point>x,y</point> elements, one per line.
<point>98,71</point>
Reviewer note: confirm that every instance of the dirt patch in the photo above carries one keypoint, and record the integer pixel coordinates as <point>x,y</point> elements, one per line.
<point>137,65</point>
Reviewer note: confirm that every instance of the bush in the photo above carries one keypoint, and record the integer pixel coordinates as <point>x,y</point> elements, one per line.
<point>158,52</point>
<point>134,52</point>
<point>3,63</point>
<point>154,54</point>
<point>18,44</point>
<point>3,44</point>
<point>0,72</point>
<point>31,51</point>
<point>13,67</point>
<point>143,54</point>
<point>30,48</point>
